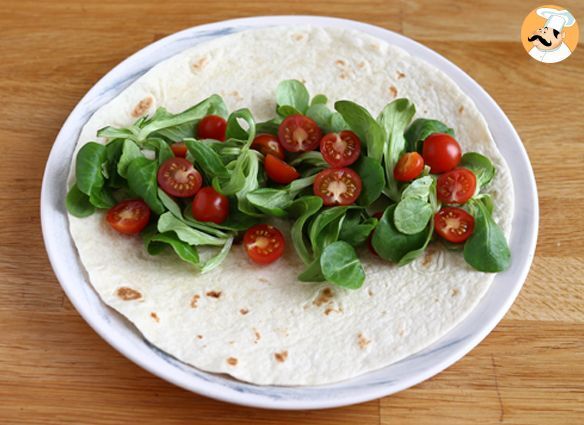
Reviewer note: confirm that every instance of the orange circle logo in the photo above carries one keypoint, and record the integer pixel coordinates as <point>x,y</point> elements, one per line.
<point>550,34</point>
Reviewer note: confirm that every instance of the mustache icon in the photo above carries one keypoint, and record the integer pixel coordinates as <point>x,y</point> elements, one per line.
<point>541,40</point>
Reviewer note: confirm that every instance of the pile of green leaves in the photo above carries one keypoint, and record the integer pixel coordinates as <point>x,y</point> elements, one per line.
<point>324,238</point>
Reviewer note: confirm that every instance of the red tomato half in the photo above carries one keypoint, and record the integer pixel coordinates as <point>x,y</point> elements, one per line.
<point>212,127</point>
<point>278,171</point>
<point>456,186</point>
<point>178,177</point>
<point>179,149</point>
<point>340,149</point>
<point>298,133</point>
<point>409,166</point>
<point>210,205</point>
<point>441,152</point>
<point>129,217</point>
<point>454,224</point>
<point>268,144</point>
<point>337,186</point>
<point>263,243</point>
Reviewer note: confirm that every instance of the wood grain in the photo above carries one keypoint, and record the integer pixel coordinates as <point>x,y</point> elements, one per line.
<point>55,369</point>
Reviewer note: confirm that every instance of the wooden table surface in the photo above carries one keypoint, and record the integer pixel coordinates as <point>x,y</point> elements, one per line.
<point>55,369</point>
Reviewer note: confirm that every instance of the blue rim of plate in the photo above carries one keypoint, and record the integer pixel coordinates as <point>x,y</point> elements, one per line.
<point>408,372</point>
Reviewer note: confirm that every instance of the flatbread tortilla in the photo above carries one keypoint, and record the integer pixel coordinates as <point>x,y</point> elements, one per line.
<point>259,324</point>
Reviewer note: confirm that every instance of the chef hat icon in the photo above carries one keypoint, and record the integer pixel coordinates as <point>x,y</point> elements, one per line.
<point>556,19</point>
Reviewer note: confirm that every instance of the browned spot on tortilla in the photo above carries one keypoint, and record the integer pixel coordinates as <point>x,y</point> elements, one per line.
<point>142,107</point>
<point>213,294</point>
<point>200,336</point>
<point>428,257</point>
<point>362,341</point>
<point>235,94</point>
<point>231,361</point>
<point>361,65</point>
<point>370,292</point>
<point>343,75</point>
<point>455,292</point>
<point>393,90</point>
<point>281,357</point>
<point>231,342</point>
<point>297,37</point>
<point>400,75</point>
<point>340,62</point>
<point>257,335</point>
<point>194,300</point>
<point>461,109</point>
<point>328,311</point>
<point>263,280</point>
<point>128,294</point>
<point>200,63</point>
<point>402,332</point>
<point>374,46</point>
<point>243,311</point>
<point>324,296</point>
<point>155,317</point>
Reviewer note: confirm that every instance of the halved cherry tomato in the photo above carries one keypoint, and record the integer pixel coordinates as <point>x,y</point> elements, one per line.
<point>298,133</point>
<point>454,224</point>
<point>279,171</point>
<point>441,152</point>
<point>210,205</point>
<point>409,166</point>
<point>268,144</point>
<point>337,186</point>
<point>178,177</point>
<point>378,216</point>
<point>129,217</point>
<point>263,243</point>
<point>179,149</point>
<point>212,127</point>
<point>456,186</point>
<point>340,149</point>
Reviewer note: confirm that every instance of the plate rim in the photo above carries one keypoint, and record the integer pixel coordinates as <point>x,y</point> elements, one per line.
<point>263,401</point>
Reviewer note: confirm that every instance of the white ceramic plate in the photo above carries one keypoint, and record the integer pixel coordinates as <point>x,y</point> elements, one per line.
<point>410,371</point>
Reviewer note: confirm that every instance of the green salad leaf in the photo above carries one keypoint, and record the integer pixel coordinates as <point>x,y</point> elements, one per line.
<point>142,181</point>
<point>292,93</point>
<point>156,243</point>
<point>303,209</point>
<point>486,249</point>
<point>412,215</point>
<point>207,159</point>
<point>419,189</point>
<point>88,168</point>
<point>130,151</point>
<point>372,178</point>
<point>356,228</point>
<point>212,105</point>
<point>167,222</point>
<point>394,119</point>
<point>481,166</point>
<point>393,245</point>
<point>326,227</point>
<point>78,204</point>
<point>162,149</point>
<point>420,129</point>
<point>319,99</point>
<point>340,265</point>
<point>364,125</point>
